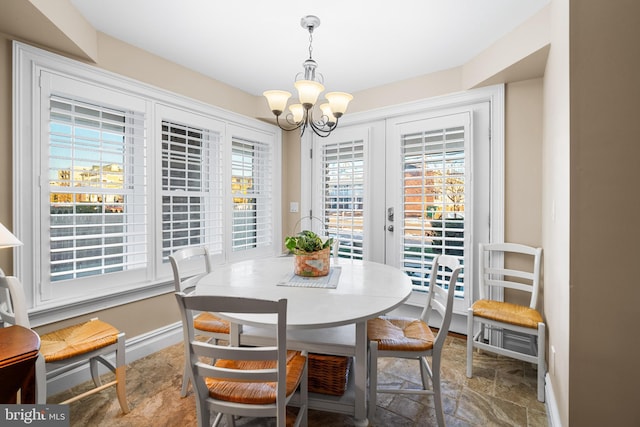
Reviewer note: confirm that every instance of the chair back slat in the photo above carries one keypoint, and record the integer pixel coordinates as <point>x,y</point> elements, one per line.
<point>206,370</point>
<point>216,351</point>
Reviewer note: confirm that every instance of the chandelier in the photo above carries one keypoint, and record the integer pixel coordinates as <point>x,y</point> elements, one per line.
<point>309,85</point>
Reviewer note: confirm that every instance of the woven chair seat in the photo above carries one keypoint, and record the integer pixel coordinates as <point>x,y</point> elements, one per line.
<point>78,339</point>
<point>400,334</point>
<point>506,312</point>
<point>211,323</point>
<point>255,392</point>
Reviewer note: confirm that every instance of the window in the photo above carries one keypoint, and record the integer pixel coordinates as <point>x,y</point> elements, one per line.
<point>96,190</point>
<point>251,194</point>
<point>112,176</point>
<point>191,188</point>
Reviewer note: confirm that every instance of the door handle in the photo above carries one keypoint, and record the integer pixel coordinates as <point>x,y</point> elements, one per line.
<point>390,227</point>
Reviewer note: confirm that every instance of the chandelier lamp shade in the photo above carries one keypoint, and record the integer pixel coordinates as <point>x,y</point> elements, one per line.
<point>309,85</point>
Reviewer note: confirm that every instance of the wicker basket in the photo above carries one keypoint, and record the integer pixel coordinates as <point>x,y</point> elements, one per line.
<point>312,264</point>
<point>328,374</point>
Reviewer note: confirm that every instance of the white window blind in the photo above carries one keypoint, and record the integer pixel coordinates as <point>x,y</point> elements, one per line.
<point>434,185</point>
<point>343,205</point>
<point>252,193</point>
<point>97,189</point>
<point>191,188</point>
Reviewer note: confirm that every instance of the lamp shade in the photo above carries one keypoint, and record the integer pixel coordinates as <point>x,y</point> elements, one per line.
<point>7,239</point>
<point>277,100</point>
<point>326,111</point>
<point>308,92</point>
<point>297,111</point>
<point>338,102</point>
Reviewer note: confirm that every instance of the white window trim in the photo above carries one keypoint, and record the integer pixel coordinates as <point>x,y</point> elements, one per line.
<point>27,60</point>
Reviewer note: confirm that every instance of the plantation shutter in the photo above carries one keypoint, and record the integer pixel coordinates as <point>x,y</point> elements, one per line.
<point>191,188</point>
<point>434,187</point>
<point>343,194</point>
<point>252,193</point>
<point>97,189</point>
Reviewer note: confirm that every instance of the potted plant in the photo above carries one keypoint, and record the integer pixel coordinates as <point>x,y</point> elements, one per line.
<point>311,253</point>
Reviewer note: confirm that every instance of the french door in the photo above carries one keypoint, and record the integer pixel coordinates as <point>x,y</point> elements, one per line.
<point>407,188</point>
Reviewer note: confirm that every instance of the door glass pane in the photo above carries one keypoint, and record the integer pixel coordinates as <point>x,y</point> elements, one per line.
<point>433,194</point>
<point>343,194</point>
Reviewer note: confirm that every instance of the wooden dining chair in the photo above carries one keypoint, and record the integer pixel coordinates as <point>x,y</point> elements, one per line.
<point>409,338</point>
<point>244,381</point>
<point>496,318</point>
<point>65,349</point>
<point>189,265</point>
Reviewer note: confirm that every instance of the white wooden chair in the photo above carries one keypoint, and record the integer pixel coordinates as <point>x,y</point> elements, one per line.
<point>495,318</point>
<point>244,381</point>
<point>409,338</point>
<point>65,349</point>
<point>189,265</point>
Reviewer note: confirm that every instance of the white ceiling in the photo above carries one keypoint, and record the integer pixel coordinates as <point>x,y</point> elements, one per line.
<point>255,45</point>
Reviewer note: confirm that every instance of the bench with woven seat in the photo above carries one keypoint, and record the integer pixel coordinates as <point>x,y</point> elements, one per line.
<point>63,349</point>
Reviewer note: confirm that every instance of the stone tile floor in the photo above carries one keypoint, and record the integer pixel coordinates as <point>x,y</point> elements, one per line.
<point>501,393</point>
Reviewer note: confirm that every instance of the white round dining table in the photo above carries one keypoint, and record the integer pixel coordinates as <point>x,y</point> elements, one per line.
<point>363,290</point>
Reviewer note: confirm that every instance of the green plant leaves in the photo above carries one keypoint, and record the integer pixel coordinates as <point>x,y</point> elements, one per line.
<point>306,241</point>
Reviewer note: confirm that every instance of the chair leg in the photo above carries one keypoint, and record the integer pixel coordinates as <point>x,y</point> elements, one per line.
<point>185,380</point>
<point>121,390</point>
<point>425,373</point>
<point>93,368</point>
<point>373,379</point>
<point>437,395</point>
<point>469,343</point>
<point>41,380</point>
<point>121,374</point>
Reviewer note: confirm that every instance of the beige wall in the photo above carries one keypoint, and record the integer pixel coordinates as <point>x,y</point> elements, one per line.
<point>6,178</point>
<point>555,206</point>
<point>290,181</point>
<point>523,171</point>
<point>605,231</point>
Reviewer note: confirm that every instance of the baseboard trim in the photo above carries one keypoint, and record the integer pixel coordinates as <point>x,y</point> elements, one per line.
<point>135,348</point>
<point>553,415</point>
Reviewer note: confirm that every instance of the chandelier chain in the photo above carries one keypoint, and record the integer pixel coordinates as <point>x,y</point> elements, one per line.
<point>310,42</point>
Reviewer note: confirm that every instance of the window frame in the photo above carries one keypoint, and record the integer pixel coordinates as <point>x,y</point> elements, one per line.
<point>156,279</point>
